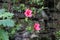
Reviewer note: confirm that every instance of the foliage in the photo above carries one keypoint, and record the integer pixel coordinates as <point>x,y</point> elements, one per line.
<point>3,35</point>
<point>6,18</point>
<point>29,29</point>
<point>39,10</point>
<point>5,21</point>
<point>14,1</point>
<point>5,5</point>
<point>19,8</point>
<point>2,11</point>
<point>57,35</point>
<point>18,27</point>
<point>37,2</point>
<point>22,7</point>
<point>6,15</point>
<point>15,7</point>
<point>33,9</point>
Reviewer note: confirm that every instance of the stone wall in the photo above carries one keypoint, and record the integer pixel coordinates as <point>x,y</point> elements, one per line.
<point>57,4</point>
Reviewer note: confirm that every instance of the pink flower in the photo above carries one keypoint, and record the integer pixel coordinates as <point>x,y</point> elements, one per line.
<point>37,26</point>
<point>28,13</point>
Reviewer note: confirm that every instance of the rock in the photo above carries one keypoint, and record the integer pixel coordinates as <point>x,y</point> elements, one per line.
<point>44,15</point>
<point>25,34</point>
<point>33,35</point>
<point>58,6</point>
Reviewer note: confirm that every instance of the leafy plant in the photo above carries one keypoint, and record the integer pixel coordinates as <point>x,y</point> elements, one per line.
<point>5,5</point>
<point>37,2</point>
<point>6,18</point>
<point>19,8</point>
<point>3,35</point>
<point>58,35</point>
<point>6,15</point>
<point>5,21</point>
<point>15,7</point>
<point>22,7</point>
<point>33,9</point>
<point>39,11</point>
<point>14,1</point>
<point>29,29</point>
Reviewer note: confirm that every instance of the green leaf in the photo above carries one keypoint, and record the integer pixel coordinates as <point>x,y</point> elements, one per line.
<point>36,2</point>
<point>7,15</point>
<point>30,29</point>
<point>26,19</point>
<point>18,27</point>
<point>7,22</point>
<point>5,5</point>
<point>22,7</point>
<point>13,31</point>
<point>6,18</point>
<point>3,35</point>
<point>4,14</point>
<point>10,23</point>
<point>14,1</point>
<point>33,9</point>
<point>2,11</point>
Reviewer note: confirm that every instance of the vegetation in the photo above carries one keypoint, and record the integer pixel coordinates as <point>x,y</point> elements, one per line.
<point>24,18</point>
